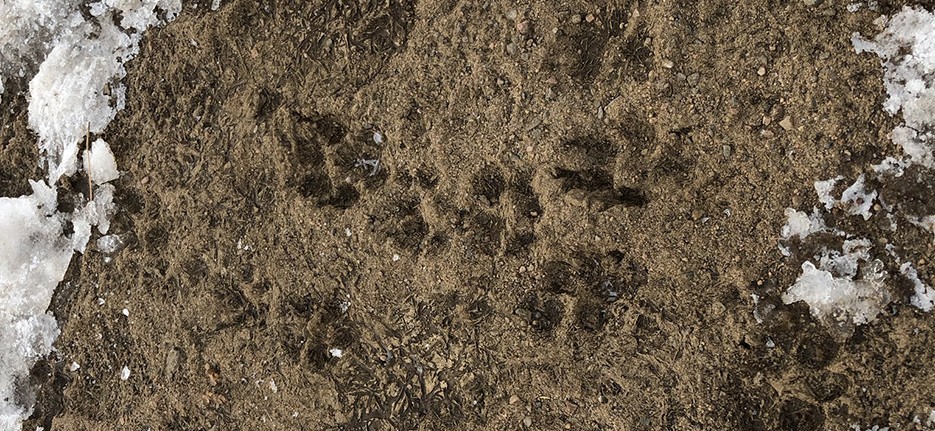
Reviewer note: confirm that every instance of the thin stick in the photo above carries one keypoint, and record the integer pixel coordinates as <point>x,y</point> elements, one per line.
<point>87,148</point>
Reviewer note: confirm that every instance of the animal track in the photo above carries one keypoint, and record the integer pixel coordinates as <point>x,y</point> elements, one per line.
<point>580,47</point>
<point>403,224</point>
<point>330,169</point>
<point>584,175</point>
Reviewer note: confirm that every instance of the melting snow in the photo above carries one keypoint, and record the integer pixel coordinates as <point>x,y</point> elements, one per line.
<point>76,66</point>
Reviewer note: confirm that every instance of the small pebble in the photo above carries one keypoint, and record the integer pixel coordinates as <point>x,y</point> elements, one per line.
<point>726,150</point>
<point>575,19</point>
<point>697,214</point>
<point>796,201</point>
<point>378,138</point>
<point>395,257</point>
<point>786,123</point>
<point>589,18</point>
<point>761,71</point>
<point>527,421</point>
<point>668,64</point>
<point>125,373</point>
<point>514,399</point>
<point>126,312</point>
<point>523,26</point>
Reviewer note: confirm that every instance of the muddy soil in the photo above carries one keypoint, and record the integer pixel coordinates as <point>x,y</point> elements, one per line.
<point>456,215</point>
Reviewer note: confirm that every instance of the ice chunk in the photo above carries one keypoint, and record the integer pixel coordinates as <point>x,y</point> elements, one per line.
<point>859,198</point>
<point>110,244</point>
<point>824,190</point>
<point>840,298</point>
<point>799,225</point>
<point>846,289</point>
<point>33,259</point>
<point>908,53</point>
<point>95,213</point>
<point>923,296</point>
<point>100,163</point>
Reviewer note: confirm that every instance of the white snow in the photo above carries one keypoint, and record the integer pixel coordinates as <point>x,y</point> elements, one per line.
<point>800,225</point>
<point>923,296</point>
<point>110,244</point>
<point>907,51</point>
<point>859,200</point>
<point>848,286</point>
<point>100,163</point>
<point>824,190</point>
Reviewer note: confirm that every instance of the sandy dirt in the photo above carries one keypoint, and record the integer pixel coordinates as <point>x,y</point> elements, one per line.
<point>573,204</point>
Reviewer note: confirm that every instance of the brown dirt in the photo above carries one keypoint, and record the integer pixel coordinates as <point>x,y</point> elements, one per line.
<point>582,197</point>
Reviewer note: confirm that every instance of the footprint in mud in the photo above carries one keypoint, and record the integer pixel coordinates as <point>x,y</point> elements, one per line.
<point>325,319</point>
<point>584,175</point>
<point>526,211</point>
<point>330,168</point>
<point>359,160</point>
<point>579,49</point>
<point>542,314</point>
<point>594,283</point>
<point>484,232</point>
<point>632,55</point>
<point>403,224</point>
<point>595,187</point>
<point>488,184</point>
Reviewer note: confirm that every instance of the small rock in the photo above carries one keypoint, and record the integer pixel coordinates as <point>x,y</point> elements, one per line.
<point>523,26</point>
<point>575,19</point>
<point>726,150</point>
<point>668,64</point>
<point>786,123</point>
<point>514,399</point>
<point>527,421</point>
<point>796,201</point>
<point>761,71</point>
<point>697,214</point>
<point>589,18</point>
<point>693,79</point>
<point>810,2</point>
